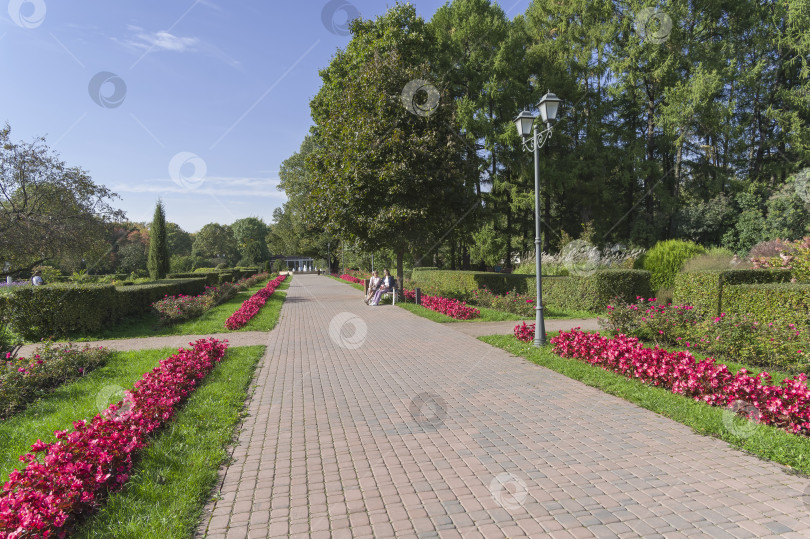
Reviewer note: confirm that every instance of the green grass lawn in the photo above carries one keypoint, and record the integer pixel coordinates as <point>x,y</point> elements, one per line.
<point>71,402</point>
<point>212,321</point>
<point>765,442</point>
<point>487,315</point>
<point>173,477</point>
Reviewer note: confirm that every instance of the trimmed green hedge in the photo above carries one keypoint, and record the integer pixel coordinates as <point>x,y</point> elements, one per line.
<point>704,290</point>
<point>216,277</point>
<point>583,292</point>
<point>57,310</point>
<point>788,302</point>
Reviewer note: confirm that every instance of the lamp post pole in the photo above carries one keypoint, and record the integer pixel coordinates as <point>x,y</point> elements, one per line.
<point>539,322</point>
<point>527,127</point>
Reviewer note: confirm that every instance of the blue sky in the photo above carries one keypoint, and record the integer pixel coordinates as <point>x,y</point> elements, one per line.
<point>196,102</point>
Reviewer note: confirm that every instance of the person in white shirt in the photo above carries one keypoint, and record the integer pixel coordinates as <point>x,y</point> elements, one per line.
<point>373,284</point>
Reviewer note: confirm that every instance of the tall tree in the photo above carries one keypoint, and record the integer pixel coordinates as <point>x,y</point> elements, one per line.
<point>47,209</point>
<point>179,240</point>
<point>388,169</point>
<point>216,242</point>
<point>158,263</point>
<point>250,234</point>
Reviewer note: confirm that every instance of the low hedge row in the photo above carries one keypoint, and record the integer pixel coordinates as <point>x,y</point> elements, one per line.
<point>217,277</point>
<point>58,310</point>
<point>591,292</point>
<point>705,290</point>
<point>788,302</point>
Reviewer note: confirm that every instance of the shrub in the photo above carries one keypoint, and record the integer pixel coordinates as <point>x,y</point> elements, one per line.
<point>37,312</point>
<point>586,292</point>
<point>49,273</point>
<point>767,249</point>
<point>715,258</point>
<point>789,302</point>
<point>666,259</point>
<point>765,343</point>
<point>23,380</point>
<point>704,289</point>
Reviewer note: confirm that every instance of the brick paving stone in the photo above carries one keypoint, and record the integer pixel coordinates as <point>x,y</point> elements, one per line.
<point>372,421</point>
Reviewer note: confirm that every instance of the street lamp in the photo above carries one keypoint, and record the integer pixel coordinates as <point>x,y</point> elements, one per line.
<point>527,127</point>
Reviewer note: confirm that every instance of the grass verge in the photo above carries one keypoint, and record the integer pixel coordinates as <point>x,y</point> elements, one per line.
<point>77,400</point>
<point>174,475</point>
<point>760,440</point>
<point>487,315</point>
<point>212,321</point>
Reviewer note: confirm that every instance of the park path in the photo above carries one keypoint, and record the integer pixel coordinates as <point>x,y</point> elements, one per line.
<point>373,422</point>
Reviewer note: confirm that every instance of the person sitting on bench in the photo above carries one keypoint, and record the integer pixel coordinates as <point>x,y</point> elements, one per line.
<point>387,285</point>
<point>373,284</point>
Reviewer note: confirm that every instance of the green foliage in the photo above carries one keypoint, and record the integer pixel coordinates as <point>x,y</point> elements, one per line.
<point>215,241</point>
<point>250,234</point>
<point>788,302</point>
<point>48,211</point>
<point>179,241</point>
<point>666,259</point>
<point>158,262</point>
<point>381,174</point>
<point>24,380</point>
<point>705,290</point>
<point>63,309</point>
<point>49,273</point>
<point>769,343</point>
<point>585,293</point>
<point>181,263</point>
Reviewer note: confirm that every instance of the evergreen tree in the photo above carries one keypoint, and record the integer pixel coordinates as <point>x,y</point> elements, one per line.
<point>158,263</point>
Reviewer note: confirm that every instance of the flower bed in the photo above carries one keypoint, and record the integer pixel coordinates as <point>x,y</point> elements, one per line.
<point>450,307</point>
<point>786,406</point>
<point>525,332</point>
<point>511,302</point>
<point>173,309</point>
<point>351,278</point>
<point>253,304</point>
<point>774,344</point>
<point>71,477</point>
<point>23,380</point>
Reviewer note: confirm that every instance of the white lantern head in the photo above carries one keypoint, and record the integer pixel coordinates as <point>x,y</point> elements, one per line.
<point>548,107</point>
<point>524,122</point>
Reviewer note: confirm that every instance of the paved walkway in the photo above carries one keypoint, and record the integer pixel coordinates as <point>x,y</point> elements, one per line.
<point>373,422</point>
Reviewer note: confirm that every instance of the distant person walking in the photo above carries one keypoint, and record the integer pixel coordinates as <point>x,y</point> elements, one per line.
<point>36,280</point>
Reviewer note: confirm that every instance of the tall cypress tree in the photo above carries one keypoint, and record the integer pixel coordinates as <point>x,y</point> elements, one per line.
<point>158,244</point>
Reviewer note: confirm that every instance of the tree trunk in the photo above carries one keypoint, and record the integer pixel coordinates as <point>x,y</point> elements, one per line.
<point>400,268</point>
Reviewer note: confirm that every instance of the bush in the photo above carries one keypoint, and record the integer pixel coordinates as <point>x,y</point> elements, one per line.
<point>787,302</point>
<point>762,342</point>
<point>49,273</point>
<point>704,289</point>
<point>767,249</point>
<point>586,292</point>
<point>37,312</point>
<point>666,259</point>
<point>23,380</point>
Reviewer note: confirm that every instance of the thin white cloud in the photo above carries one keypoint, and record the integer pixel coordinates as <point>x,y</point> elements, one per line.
<point>163,41</point>
<point>144,42</point>
<point>219,186</point>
